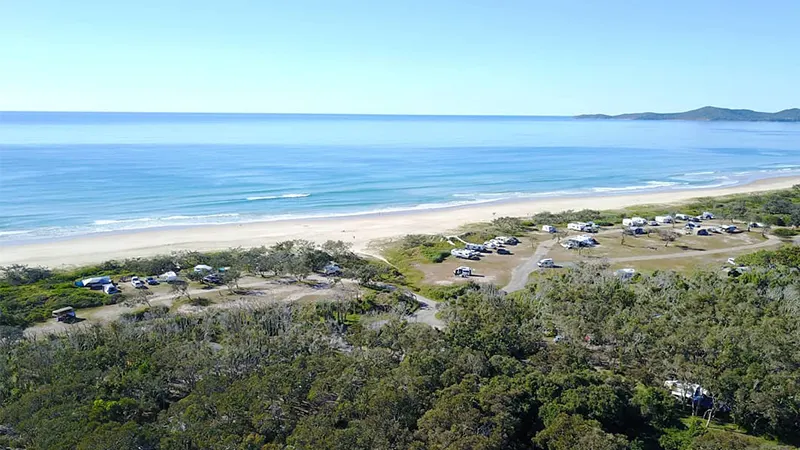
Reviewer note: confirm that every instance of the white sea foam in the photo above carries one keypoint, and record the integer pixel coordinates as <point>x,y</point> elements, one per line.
<point>648,185</point>
<point>14,232</point>
<point>275,197</point>
<point>115,221</point>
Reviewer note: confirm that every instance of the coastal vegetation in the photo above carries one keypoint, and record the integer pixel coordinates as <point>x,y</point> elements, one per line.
<point>300,376</point>
<point>29,294</point>
<point>708,113</point>
<point>577,359</point>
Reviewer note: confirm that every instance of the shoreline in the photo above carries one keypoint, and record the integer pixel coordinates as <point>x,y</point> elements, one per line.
<point>358,230</point>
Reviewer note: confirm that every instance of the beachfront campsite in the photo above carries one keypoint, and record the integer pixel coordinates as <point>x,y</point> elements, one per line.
<point>664,327</point>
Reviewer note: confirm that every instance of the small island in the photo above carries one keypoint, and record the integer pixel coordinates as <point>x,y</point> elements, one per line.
<point>708,113</point>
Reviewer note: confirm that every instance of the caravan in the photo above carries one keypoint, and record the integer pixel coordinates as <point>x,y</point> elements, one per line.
<point>634,222</point>
<point>548,229</point>
<point>664,219</point>
<point>475,247</point>
<point>587,227</point>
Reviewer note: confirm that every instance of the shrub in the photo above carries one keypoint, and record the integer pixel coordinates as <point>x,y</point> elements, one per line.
<point>785,232</point>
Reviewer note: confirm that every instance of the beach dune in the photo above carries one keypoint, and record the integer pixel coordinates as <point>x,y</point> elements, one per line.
<point>360,231</point>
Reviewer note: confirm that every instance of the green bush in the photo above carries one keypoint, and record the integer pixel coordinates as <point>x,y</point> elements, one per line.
<point>785,232</point>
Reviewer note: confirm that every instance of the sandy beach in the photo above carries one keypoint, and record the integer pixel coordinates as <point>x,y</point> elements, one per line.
<point>360,231</point>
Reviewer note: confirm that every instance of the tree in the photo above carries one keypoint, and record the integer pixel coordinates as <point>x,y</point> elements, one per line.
<point>668,236</point>
<point>794,219</point>
<point>656,405</point>
<point>180,288</point>
<point>231,278</point>
<point>19,274</point>
<point>737,209</point>
<point>573,432</point>
<point>141,296</point>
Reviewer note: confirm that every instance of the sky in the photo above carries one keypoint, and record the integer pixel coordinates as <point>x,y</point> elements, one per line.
<point>523,57</point>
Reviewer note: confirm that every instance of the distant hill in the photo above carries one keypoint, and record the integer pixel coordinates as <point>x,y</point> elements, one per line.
<point>708,113</point>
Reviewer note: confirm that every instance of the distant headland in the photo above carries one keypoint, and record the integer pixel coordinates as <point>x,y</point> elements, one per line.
<point>708,113</point>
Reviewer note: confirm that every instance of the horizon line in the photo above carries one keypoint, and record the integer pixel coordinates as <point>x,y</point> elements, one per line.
<point>280,113</point>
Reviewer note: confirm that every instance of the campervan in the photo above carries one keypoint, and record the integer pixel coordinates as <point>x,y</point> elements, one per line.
<point>463,272</point>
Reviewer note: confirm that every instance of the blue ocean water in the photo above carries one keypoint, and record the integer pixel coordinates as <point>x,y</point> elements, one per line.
<point>65,174</point>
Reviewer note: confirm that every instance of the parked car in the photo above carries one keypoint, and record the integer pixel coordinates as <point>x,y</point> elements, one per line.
<point>503,251</point>
<point>137,283</point>
<point>152,281</point>
<point>653,223</point>
<point>212,279</point>
<point>547,262</point>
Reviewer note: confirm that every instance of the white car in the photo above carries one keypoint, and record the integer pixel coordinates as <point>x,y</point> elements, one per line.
<point>137,283</point>
<point>547,262</point>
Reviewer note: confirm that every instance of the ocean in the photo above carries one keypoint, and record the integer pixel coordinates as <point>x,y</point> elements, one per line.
<point>70,174</point>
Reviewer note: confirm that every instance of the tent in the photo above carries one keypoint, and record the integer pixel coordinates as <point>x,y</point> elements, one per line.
<point>94,281</point>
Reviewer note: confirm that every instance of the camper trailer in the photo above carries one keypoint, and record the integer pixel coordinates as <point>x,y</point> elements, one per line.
<point>681,216</point>
<point>549,229</point>
<point>634,222</point>
<point>65,314</point>
<point>202,268</point>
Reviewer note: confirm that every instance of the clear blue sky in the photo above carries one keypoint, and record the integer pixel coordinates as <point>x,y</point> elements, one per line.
<point>403,56</point>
